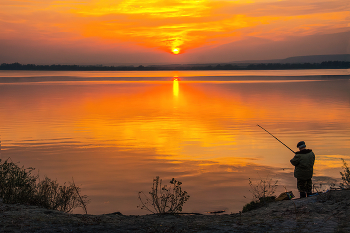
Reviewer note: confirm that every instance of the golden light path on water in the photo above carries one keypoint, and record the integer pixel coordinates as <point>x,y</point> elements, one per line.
<point>176,88</point>
<point>114,136</point>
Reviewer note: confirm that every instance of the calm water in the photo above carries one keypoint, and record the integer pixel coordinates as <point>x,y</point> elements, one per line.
<point>113,132</point>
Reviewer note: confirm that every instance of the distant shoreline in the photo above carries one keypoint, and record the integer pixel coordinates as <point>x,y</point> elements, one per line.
<point>222,66</point>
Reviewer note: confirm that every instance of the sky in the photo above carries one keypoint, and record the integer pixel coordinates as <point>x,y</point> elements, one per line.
<point>170,31</point>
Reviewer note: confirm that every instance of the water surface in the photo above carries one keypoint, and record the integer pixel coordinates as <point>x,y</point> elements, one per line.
<point>115,131</point>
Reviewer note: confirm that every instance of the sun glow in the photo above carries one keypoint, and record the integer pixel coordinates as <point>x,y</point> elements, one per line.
<point>176,50</point>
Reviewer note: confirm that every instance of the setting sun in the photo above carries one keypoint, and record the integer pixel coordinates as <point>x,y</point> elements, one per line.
<point>176,51</point>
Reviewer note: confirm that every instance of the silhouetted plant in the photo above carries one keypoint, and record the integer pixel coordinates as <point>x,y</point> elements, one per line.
<point>263,188</point>
<point>19,185</point>
<point>164,199</point>
<point>49,194</point>
<point>345,176</point>
<point>262,192</point>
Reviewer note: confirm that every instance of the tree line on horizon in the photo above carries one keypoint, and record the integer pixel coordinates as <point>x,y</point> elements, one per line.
<point>260,66</point>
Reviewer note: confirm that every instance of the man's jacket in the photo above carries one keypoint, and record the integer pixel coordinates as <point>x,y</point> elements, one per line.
<point>304,162</point>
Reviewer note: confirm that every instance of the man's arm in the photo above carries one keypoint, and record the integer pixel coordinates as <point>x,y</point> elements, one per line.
<point>296,160</point>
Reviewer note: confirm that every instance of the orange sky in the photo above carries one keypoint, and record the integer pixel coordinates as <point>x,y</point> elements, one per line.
<point>154,28</point>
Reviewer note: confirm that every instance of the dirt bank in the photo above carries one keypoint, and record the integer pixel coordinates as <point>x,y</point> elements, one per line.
<point>328,212</point>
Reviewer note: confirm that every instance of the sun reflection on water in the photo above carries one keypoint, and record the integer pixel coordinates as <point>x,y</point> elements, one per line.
<point>176,86</point>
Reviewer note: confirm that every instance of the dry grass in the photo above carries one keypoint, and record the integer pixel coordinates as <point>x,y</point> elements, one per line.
<point>19,185</point>
<point>164,199</point>
<point>345,175</point>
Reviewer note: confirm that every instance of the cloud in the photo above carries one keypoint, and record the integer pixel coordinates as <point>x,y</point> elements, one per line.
<point>260,48</point>
<point>155,8</point>
<point>283,8</point>
<point>162,26</point>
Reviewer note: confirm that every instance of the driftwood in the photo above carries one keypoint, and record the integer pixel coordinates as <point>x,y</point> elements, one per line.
<point>216,212</point>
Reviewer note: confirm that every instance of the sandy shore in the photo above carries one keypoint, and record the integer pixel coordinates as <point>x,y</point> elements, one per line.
<point>328,212</point>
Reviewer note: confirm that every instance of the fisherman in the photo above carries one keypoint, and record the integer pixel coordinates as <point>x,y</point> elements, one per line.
<point>303,161</point>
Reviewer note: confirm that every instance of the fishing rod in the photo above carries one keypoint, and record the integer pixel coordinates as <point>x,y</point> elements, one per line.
<point>276,139</point>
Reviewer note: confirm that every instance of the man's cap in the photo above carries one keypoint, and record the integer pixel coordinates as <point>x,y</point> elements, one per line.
<point>301,144</point>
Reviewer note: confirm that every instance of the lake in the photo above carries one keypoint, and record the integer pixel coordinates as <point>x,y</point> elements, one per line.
<point>114,132</point>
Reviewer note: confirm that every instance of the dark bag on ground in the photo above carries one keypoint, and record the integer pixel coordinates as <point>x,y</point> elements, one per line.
<point>285,196</point>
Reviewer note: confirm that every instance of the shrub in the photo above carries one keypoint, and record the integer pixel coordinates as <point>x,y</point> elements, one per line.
<point>51,195</point>
<point>164,199</point>
<point>19,185</point>
<point>263,188</point>
<point>262,192</point>
<point>345,176</point>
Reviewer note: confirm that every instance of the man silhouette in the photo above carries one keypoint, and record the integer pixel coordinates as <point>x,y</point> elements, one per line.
<point>303,161</point>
